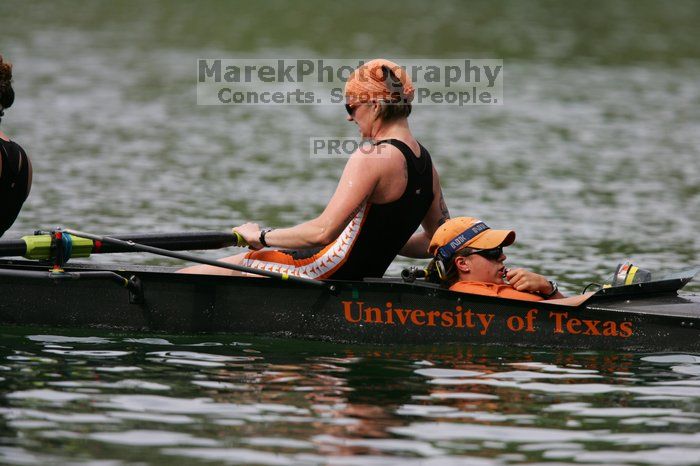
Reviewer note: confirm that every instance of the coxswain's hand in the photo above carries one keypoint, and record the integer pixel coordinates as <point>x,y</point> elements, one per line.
<point>524,280</point>
<point>251,234</point>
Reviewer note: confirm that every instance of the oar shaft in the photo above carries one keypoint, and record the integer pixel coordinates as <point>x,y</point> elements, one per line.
<point>173,241</point>
<point>12,248</point>
<point>132,246</point>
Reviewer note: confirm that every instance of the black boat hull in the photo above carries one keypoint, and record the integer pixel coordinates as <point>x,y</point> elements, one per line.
<point>369,312</point>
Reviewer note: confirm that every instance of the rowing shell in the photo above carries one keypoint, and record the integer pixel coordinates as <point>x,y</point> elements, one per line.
<point>646,316</point>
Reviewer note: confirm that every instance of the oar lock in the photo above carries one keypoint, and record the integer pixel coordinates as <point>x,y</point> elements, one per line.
<point>59,246</point>
<point>56,246</point>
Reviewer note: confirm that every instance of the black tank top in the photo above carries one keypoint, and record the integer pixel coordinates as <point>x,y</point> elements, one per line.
<point>387,227</point>
<point>14,182</point>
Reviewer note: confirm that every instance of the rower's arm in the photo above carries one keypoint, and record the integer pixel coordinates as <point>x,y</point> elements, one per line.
<point>30,175</point>
<point>576,300</point>
<point>359,178</point>
<point>417,245</point>
<point>531,282</point>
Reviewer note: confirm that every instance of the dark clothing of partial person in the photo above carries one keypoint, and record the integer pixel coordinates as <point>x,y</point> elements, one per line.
<point>14,182</point>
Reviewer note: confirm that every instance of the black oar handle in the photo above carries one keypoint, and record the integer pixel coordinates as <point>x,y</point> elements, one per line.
<point>12,247</point>
<point>172,241</point>
<point>130,245</point>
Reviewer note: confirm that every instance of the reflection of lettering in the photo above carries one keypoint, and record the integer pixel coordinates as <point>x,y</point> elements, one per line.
<point>356,312</point>
<point>608,328</point>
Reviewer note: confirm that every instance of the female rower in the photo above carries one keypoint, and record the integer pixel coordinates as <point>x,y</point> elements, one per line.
<point>382,197</point>
<point>15,167</point>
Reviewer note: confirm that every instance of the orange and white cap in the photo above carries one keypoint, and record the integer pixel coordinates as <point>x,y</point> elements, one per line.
<point>461,232</point>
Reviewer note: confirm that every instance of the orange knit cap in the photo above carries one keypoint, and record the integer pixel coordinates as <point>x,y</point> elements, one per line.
<point>372,81</point>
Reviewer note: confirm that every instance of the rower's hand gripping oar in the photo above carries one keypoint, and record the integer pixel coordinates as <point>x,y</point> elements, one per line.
<point>132,246</point>
<point>240,241</point>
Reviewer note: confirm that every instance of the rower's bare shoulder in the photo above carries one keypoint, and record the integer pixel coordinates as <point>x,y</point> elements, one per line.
<point>374,150</point>
<point>381,155</point>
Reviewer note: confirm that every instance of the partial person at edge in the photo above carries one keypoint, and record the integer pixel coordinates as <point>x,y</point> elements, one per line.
<point>15,166</point>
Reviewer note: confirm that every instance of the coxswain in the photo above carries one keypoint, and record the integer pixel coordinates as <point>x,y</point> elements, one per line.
<point>469,258</point>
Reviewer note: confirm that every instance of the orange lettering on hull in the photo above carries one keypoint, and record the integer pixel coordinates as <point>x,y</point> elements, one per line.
<point>574,326</point>
<point>356,312</point>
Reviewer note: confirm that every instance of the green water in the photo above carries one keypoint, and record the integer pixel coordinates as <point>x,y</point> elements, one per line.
<point>131,399</point>
<point>592,159</point>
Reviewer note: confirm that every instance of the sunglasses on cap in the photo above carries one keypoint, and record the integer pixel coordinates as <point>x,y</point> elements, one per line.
<point>489,254</point>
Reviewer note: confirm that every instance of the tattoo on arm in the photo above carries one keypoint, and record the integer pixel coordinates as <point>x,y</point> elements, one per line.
<point>444,212</point>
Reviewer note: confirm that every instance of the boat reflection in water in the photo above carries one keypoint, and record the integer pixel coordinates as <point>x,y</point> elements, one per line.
<point>254,399</point>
